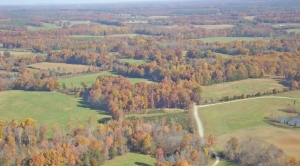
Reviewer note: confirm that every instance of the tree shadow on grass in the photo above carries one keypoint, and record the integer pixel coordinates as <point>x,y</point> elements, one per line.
<point>285,83</point>
<point>104,120</point>
<point>83,104</point>
<point>141,164</point>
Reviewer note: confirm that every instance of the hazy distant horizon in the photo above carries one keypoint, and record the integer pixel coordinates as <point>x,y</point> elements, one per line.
<point>53,2</point>
<point>41,2</point>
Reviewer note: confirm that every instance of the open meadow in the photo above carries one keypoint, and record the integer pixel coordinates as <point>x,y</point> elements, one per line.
<point>61,66</point>
<point>85,37</point>
<point>133,61</point>
<point>249,119</point>
<point>46,26</point>
<point>91,78</point>
<point>229,39</point>
<point>248,86</point>
<point>131,159</point>
<point>48,108</point>
<point>249,18</point>
<point>224,55</point>
<point>90,37</point>
<point>222,26</point>
<point>293,30</point>
<point>21,53</point>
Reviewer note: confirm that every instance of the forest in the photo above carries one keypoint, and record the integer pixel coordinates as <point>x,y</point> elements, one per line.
<point>180,48</point>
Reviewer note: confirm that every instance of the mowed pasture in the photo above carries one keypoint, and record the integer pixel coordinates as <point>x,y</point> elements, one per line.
<point>229,39</point>
<point>48,108</point>
<point>69,68</point>
<point>46,26</point>
<point>90,37</point>
<point>91,78</point>
<point>224,55</point>
<point>249,119</point>
<point>133,61</point>
<point>293,30</point>
<point>49,26</point>
<point>249,18</point>
<point>22,53</point>
<point>285,25</point>
<point>131,159</point>
<point>137,22</point>
<point>85,37</point>
<point>222,26</point>
<point>248,86</point>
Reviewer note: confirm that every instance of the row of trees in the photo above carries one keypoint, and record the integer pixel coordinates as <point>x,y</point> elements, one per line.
<point>28,81</point>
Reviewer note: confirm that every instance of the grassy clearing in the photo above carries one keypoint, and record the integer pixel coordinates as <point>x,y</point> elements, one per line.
<point>133,61</point>
<point>90,37</point>
<point>249,18</point>
<point>23,53</point>
<point>10,73</point>
<point>46,107</point>
<point>124,35</point>
<point>224,55</point>
<point>221,162</point>
<point>293,30</point>
<point>229,39</point>
<point>131,159</point>
<point>158,16</point>
<point>248,86</point>
<point>85,37</point>
<point>46,26</point>
<point>226,163</point>
<point>68,67</point>
<point>137,22</point>
<point>285,25</point>
<point>222,26</point>
<point>75,22</point>
<point>91,78</point>
<point>164,112</point>
<point>19,22</point>
<point>249,119</point>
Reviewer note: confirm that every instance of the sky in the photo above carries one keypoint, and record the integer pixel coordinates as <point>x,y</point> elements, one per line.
<point>33,2</point>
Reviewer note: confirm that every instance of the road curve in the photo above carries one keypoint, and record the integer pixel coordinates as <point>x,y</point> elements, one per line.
<point>200,126</point>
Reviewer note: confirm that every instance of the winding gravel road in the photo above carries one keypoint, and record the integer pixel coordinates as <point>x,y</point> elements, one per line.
<point>200,126</point>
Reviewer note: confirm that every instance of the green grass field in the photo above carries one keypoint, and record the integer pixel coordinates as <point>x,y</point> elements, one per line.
<point>19,22</point>
<point>229,39</point>
<point>131,159</point>
<point>133,61</point>
<point>249,18</point>
<point>222,26</point>
<point>293,30</point>
<point>250,119</point>
<point>248,86</point>
<point>86,37</point>
<point>90,37</point>
<point>137,22</point>
<point>222,162</point>
<point>165,112</point>
<point>46,26</point>
<point>91,78</point>
<point>23,53</point>
<point>124,35</point>
<point>46,107</point>
<point>224,55</point>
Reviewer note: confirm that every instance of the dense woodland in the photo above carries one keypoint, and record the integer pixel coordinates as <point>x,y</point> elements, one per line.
<point>90,144</point>
<point>166,35</point>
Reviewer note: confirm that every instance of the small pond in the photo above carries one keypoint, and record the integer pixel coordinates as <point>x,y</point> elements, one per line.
<point>291,120</point>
